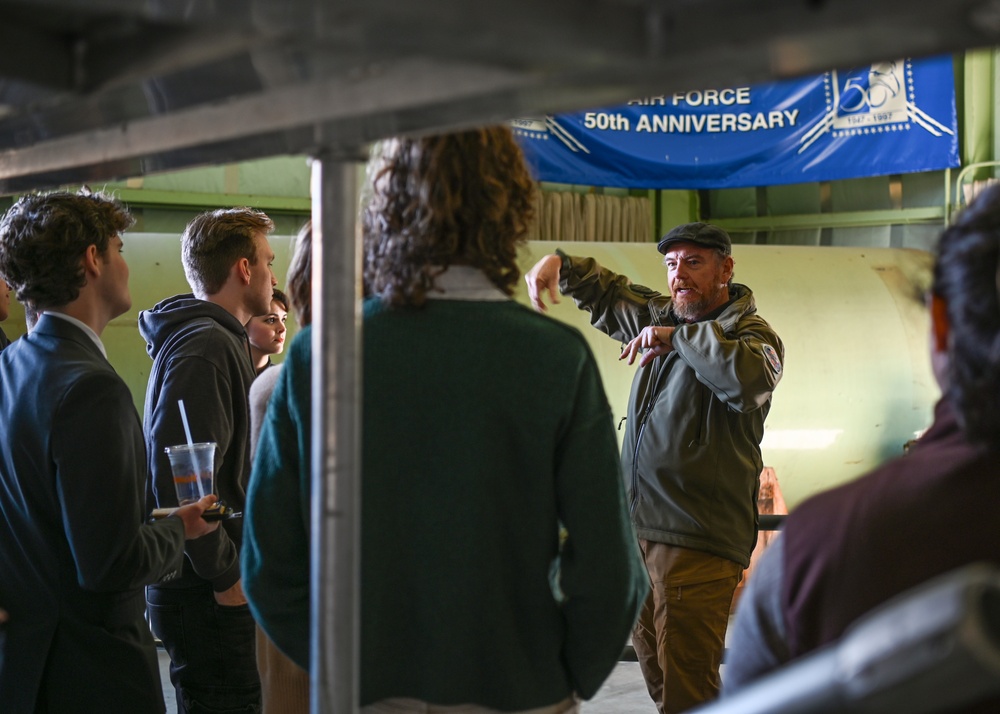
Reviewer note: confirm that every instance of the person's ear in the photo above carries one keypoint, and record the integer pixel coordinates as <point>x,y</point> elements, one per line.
<point>940,324</point>
<point>91,260</point>
<point>243,270</point>
<point>727,269</point>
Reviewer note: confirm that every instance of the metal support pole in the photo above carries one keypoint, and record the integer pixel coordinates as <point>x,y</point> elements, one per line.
<point>336,458</point>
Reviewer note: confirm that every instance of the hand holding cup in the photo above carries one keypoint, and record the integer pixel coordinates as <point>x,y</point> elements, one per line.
<point>194,525</point>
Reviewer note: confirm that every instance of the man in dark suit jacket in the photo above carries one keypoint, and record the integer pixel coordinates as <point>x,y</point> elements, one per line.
<point>74,551</point>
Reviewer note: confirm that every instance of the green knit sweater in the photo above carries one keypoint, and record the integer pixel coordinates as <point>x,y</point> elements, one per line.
<point>485,427</point>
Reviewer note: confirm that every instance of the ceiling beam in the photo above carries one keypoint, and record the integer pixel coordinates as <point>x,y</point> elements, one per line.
<point>153,51</point>
<point>397,87</point>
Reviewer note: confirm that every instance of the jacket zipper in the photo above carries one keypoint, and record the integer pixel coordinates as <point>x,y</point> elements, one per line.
<point>635,458</point>
<point>640,431</point>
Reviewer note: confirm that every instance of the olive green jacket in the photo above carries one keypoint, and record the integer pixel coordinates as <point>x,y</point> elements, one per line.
<point>691,454</point>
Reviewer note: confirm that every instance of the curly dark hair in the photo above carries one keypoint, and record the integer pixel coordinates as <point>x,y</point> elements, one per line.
<point>44,236</point>
<point>967,278</point>
<point>214,240</point>
<point>464,198</point>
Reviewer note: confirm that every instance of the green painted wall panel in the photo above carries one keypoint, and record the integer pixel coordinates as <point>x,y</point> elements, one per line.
<point>675,208</point>
<point>733,202</point>
<point>977,111</point>
<point>867,194</point>
<point>796,198</point>
<point>279,176</point>
<point>793,199</point>
<point>211,179</point>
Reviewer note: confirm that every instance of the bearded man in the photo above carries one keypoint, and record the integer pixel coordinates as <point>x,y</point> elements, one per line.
<point>691,459</point>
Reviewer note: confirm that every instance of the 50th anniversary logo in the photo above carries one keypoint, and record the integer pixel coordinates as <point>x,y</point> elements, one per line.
<point>889,117</point>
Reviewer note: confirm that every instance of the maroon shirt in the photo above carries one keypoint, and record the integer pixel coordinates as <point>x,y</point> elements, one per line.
<point>924,514</point>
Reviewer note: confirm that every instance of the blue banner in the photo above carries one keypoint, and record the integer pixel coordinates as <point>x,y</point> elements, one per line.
<point>886,118</point>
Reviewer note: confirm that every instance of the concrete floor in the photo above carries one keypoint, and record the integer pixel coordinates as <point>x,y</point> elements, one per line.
<point>624,692</point>
<point>168,688</point>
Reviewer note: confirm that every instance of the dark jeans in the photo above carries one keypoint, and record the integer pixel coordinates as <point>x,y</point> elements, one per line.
<point>213,665</point>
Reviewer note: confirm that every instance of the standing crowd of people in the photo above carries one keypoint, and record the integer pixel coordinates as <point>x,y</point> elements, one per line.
<point>509,548</point>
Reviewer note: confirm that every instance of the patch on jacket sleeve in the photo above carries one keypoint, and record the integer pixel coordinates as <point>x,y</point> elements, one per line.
<point>772,357</point>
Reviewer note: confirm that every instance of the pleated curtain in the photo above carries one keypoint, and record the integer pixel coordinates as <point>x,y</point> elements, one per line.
<point>566,217</point>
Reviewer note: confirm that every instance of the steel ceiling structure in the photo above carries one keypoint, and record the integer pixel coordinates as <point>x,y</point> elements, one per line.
<point>94,90</point>
<point>101,89</point>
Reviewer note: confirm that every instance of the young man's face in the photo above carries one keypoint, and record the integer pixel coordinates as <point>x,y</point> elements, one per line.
<point>262,280</point>
<point>114,278</point>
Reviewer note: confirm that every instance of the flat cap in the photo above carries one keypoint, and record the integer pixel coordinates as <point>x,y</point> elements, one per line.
<point>701,233</point>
